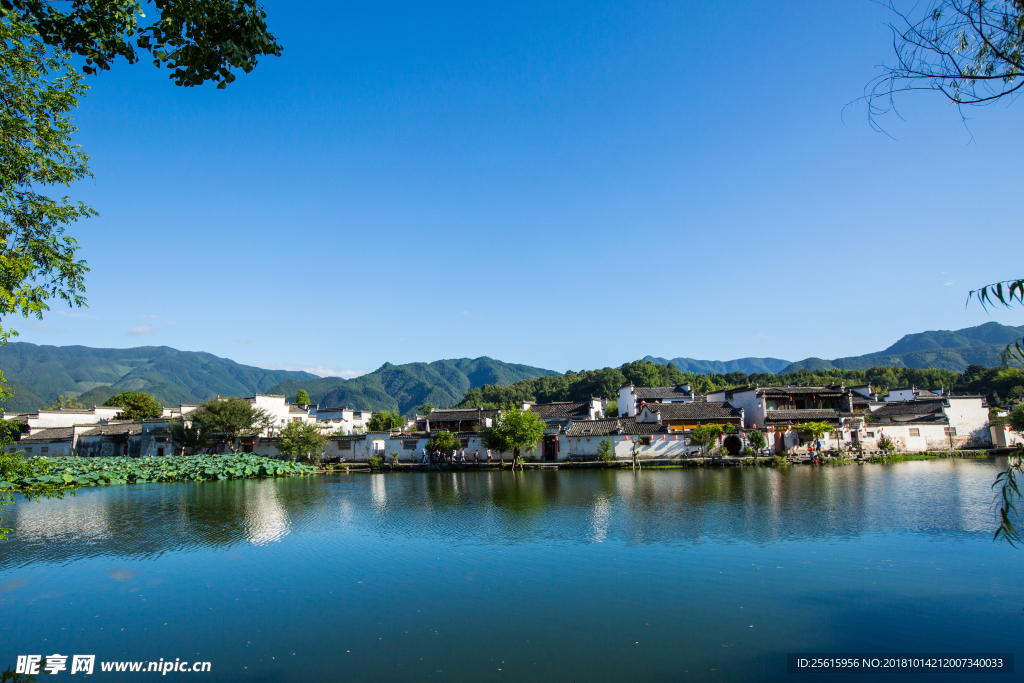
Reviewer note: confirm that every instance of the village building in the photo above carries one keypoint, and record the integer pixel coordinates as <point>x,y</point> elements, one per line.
<point>341,420</point>
<point>631,398</point>
<point>455,420</point>
<point>930,423</point>
<point>678,417</point>
<point>561,413</point>
<point>913,393</point>
<point>46,419</point>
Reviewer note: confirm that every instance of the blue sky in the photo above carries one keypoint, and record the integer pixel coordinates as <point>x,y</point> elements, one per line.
<point>568,186</point>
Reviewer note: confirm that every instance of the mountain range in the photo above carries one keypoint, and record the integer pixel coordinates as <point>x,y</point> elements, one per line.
<point>38,374</point>
<point>942,349</point>
<point>404,387</point>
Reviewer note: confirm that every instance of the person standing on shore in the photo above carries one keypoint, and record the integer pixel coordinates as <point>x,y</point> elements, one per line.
<point>488,456</point>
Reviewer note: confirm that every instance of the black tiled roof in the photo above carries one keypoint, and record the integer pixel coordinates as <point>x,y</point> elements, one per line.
<point>561,409</point>
<point>51,434</point>
<point>710,410</point>
<point>661,392</point>
<point>911,408</point>
<point>920,419</point>
<point>775,416</point>
<point>115,429</point>
<point>621,425</point>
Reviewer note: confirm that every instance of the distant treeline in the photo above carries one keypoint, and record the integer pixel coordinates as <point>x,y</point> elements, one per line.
<point>579,386</point>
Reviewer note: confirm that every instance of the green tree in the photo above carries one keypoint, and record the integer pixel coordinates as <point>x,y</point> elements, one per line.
<point>886,444</point>
<point>514,430</point>
<point>385,420</point>
<point>37,260</point>
<point>301,439</point>
<point>137,405</point>
<point>606,451</point>
<point>63,402</point>
<point>642,373</point>
<point>706,436</point>
<point>190,436</point>
<point>302,397</point>
<point>198,40</point>
<point>425,409</point>
<point>757,440</point>
<point>442,442</point>
<point>970,51</point>
<point>815,430</point>
<point>611,409</point>
<point>231,419</point>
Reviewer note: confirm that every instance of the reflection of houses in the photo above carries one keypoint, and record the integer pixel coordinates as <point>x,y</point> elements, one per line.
<point>631,398</point>
<point>455,420</point>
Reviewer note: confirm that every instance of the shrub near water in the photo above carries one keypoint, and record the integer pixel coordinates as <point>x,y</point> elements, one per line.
<point>124,470</point>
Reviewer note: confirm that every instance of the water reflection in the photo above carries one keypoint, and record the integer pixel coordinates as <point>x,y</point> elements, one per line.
<point>951,497</point>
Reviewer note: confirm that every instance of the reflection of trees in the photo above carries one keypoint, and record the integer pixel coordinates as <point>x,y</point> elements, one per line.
<point>501,508</point>
<point>145,520</point>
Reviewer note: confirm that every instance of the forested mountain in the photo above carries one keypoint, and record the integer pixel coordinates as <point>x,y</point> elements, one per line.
<point>941,349</point>
<point>404,387</point>
<point>38,374</point>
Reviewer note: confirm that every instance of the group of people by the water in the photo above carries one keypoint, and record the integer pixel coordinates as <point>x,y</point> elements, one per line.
<point>456,457</point>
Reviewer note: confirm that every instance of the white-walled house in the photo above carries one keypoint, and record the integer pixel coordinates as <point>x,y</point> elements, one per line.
<point>47,419</point>
<point>341,420</point>
<point>938,423</point>
<point>631,397</point>
<point>680,416</point>
<point>280,411</point>
<point>912,393</point>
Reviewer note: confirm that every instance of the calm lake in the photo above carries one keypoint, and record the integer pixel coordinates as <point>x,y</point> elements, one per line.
<point>665,575</point>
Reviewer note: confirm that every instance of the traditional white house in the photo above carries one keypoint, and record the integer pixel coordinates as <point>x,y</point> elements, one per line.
<point>47,419</point>
<point>927,424</point>
<point>632,397</point>
<point>455,419</point>
<point>678,417</point>
<point>341,420</point>
<point>913,393</point>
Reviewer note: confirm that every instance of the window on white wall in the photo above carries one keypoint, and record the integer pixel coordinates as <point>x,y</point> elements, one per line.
<point>914,431</point>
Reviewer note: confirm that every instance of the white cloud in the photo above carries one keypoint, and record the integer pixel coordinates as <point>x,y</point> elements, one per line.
<point>141,330</point>
<point>466,313</point>
<point>947,284</point>
<point>155,317</point>
<point>77,315</point>
<point>42,327</point>
<point>320,370</point>
<point>243,340</point>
